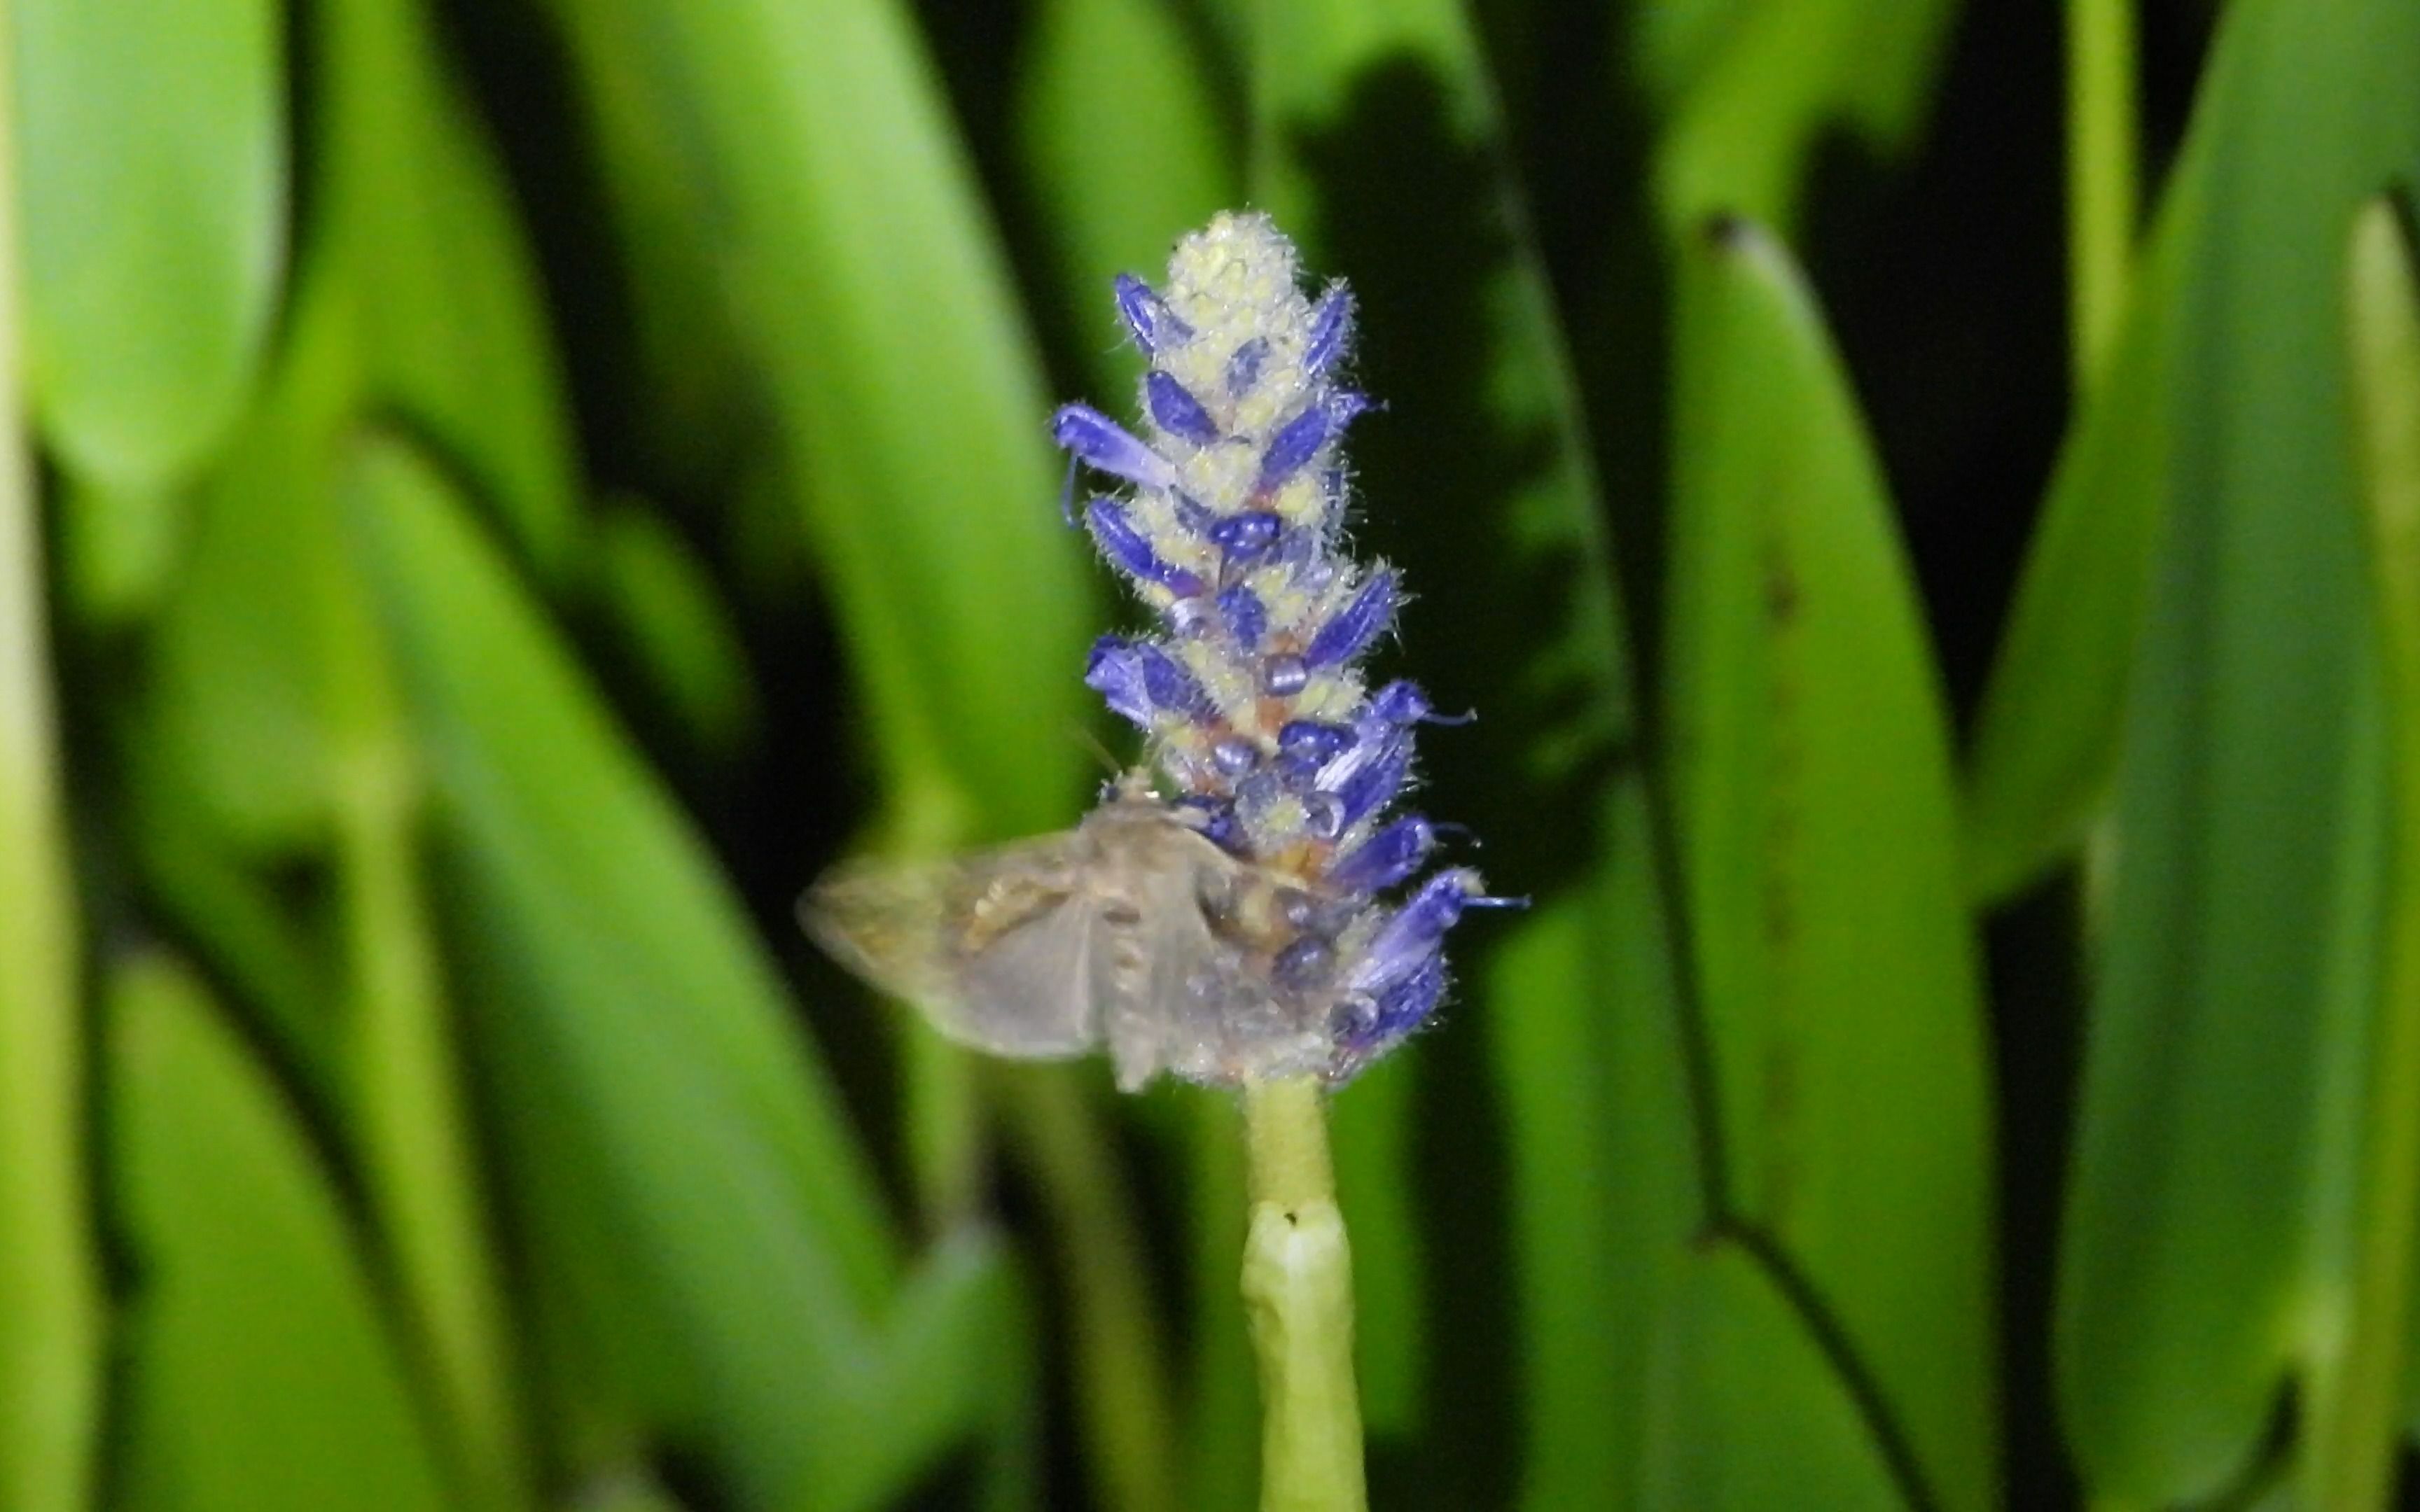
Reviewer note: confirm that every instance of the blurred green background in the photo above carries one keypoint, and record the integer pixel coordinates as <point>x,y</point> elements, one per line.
<point>1924,498</point>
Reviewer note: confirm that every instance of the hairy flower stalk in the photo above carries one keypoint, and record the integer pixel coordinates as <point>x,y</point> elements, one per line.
<point>1255,712</point>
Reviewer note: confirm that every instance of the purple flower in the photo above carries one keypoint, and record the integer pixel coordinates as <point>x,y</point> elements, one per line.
<point>1252,696</point>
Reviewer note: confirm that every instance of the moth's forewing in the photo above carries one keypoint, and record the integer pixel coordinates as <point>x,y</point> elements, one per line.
<point>1155,948</point>
<point>1023,987</point>
<point>993,948</point>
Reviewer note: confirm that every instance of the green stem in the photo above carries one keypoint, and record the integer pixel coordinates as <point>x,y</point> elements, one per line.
<point>2101,174</point>
<point>2359,1399</point>
<point>947,1154</point>
<point>49,1294</point>
<point>413,1118</point>
<point>1298,1293</point>
<point>1129,1427</point>
<point>415,1133</point>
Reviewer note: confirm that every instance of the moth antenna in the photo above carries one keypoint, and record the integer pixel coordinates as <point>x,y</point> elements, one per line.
<point>1109,763</point>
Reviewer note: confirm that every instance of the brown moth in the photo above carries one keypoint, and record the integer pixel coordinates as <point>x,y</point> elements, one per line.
<point>1132,931</point>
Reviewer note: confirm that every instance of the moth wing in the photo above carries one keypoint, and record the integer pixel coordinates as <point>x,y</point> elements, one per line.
<point>994,948</point>
<point>1162,972</point>
<point>1028,991</point>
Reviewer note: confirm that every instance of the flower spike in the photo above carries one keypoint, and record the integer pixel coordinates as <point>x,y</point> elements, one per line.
<point>1250,696</point>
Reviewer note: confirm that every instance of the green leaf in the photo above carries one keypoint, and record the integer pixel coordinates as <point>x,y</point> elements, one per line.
<point>266,954</point>
<point>1750,93</point>
<point>2356,1378</point>
<point>2234,977</point>
<point>678,1164</point>
<point>1381,151</point>
<point>1373,1135</point>
<point>418,222</point>
<point>260,1371</point>
<point>1223,1431</point>
<point>152,202</point>
<point>1116,1357</point>
<point>240,702</point>
<point>2224,378</point>
<point>871,296</point>
<point>117,548</point>
<point>1756,1416</point>
<point>672,623</point>
<point>1676,42</point>
<point>1836,964</point>
<point>1606,1192</point>
<point>272,582</point>
<point>51,1342</point>
<point>2045,744</point>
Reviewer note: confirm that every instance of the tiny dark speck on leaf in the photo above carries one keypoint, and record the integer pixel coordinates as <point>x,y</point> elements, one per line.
<point>1781,596</point>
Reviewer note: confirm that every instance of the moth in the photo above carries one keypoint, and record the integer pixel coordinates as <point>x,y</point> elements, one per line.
<point>1132,931</point>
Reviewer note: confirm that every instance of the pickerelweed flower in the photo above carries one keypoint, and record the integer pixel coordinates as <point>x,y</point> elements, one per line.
<point>1250,696</point>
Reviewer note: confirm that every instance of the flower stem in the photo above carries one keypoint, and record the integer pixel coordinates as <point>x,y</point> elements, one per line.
<point>2100,170</point>
<point>1298,1295</point>
<point>1119,1362</point>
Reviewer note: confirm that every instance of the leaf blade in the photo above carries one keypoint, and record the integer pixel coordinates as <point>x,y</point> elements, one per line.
<point>262,1374</point>
<point>2228,1000</point>
<point>1837,967</point>
<point>153,178</point>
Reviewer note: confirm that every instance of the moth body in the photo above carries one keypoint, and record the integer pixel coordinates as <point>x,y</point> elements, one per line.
<point>1133,931</point>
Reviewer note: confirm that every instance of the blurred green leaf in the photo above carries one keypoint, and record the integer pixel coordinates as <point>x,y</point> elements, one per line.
<point>1372,1137</point>
<point>1751,86</point>
<point>2045,744</point>
<point>2235,968</point>
<point>228,750</point>
<point>1379,146</point>
<point>1836,964</point>
<point>241,695</point>
<point>406,1100</point>
<point>267,952</point>
<point>1607,1198</point>
<point>50,1322</point>
<point>1678,40</point>
<point>2355,1375</point>
<point>2224,379</point>
<point>1755,1416</point>
<point>301,761</point>
<point>1223,1429</point>
<point>678,1164</point>
<point>698,412</point>
<point>417,217</point>
<point>152,190</point>
<point>672,623</point>
<point>1116,1355</point>
<point>117,548</point>
<point>260,1371</point>
<point>870,295</point>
